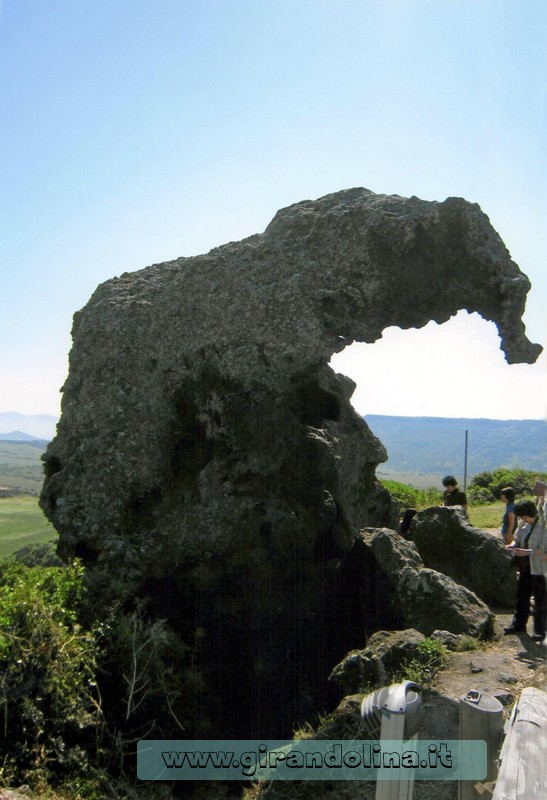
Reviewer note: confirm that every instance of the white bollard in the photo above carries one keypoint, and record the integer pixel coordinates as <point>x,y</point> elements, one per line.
<point>393,712</point>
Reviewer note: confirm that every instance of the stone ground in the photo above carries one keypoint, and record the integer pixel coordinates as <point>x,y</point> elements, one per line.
<point>502,668</point>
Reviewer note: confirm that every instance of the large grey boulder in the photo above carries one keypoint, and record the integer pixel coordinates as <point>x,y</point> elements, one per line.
<point>194,384</point>
<point>395,591</point>
<point>448,543</point>
<point>208,458</point>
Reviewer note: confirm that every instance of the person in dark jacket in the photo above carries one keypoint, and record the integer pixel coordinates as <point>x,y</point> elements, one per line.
<point>453,496</point>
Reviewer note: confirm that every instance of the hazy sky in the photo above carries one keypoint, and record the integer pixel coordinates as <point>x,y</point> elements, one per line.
<point>137,131</point>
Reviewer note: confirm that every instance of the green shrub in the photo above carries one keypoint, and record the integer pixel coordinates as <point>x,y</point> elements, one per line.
<point>487,486</point>
<point>57,728</point>
<point>428,659</point>
<point>467,644</point>
<point>157,679</point>
<point>50,712</point>
<point>411,497</point>
<point>38,555</point>
<point>479,496</point>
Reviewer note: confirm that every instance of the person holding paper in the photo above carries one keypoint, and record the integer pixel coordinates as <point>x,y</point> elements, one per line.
<point>526,545</point>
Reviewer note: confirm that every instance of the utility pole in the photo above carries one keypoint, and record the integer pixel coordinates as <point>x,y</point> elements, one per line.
<point>465,461</point>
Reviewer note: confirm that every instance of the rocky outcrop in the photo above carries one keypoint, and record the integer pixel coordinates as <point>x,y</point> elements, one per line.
<point>393,590</point>
<point>209,459</point>
<point>448,543</point>
<point>375,666</point>
<point>386,657</point>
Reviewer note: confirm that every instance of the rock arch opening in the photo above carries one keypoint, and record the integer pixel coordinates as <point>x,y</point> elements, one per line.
<point>453,369</point>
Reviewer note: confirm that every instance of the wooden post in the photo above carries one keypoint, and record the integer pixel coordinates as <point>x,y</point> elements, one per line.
<point>481,717</point>
<point>465,461</point>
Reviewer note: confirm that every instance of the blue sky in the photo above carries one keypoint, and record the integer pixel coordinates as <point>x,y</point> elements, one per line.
<point>136,131</point>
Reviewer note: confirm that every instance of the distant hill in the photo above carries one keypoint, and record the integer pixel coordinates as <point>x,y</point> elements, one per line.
<point>435,446</point>
<point>36,426</point>
<point>421,450</point>
<point>23,439</point>
<point>18,436</point>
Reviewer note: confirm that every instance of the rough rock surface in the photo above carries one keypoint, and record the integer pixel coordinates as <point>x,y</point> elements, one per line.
<point>448,543</point>
<point>374,666</point>
<point>393,590</point>
<point>207,456</point>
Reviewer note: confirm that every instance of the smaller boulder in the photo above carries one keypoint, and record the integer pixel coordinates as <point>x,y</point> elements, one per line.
<point>448,543</point>
<point>395,591</point>
<point>432,599</point>
<point>373,667</point>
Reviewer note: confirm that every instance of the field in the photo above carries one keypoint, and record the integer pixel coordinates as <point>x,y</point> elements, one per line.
<point>22,523</point>
<point>489,516</point>
<point>21,467</point>
<point>418,479</point>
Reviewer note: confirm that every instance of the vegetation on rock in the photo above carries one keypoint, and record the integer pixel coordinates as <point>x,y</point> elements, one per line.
<point>425,663</point>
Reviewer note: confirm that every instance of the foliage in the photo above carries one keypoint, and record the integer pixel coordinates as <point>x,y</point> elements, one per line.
<point>468,643</point>
<point>410,497</point>
<point>305,731</point>
<point>57,727</point>
<point>479,496</point>
<point>158,672</point>
<point>486,486</point>
<point>50,710</point>
<point>424,664</point>
<point>38,555</point>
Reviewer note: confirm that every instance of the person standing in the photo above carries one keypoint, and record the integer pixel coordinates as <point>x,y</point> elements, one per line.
<point>527,545</point>
<point>509,521</point>
<point>453,496</point>
<point>540,492</point>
